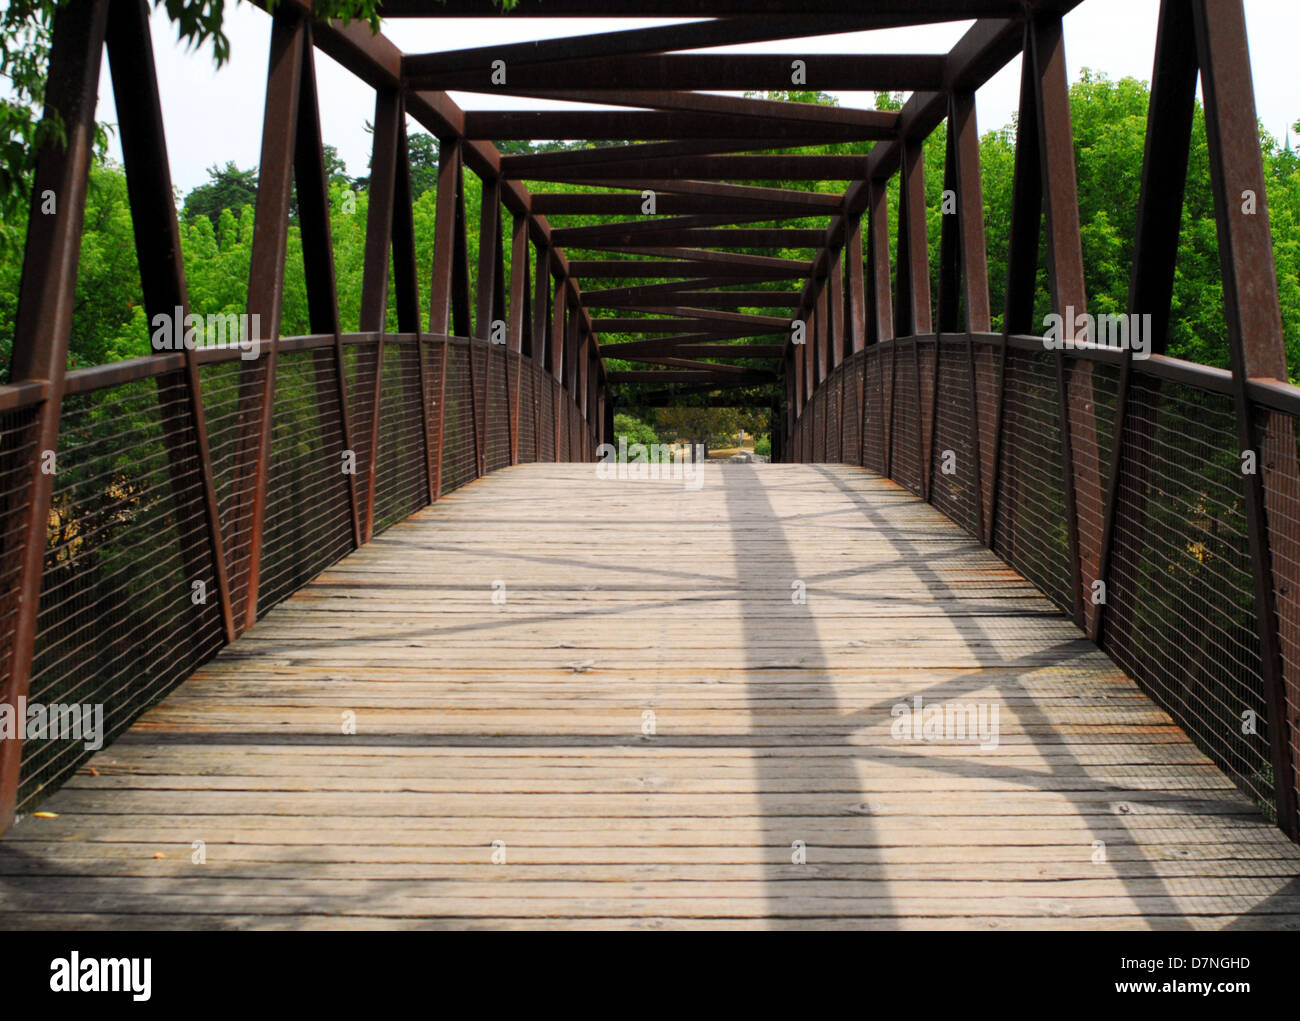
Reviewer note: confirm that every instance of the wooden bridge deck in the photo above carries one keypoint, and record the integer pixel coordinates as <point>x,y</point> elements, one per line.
<point>523,722</point>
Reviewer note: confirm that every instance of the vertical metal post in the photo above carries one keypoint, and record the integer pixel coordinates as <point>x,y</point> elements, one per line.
<point>158,252</point>
<point>266,276</point>
<point>1022,259</point>
<point>318,264</point>
<point>390,114</point>
<point>1155,249</point>
<point>1255,346</point>
<point>43,320</point>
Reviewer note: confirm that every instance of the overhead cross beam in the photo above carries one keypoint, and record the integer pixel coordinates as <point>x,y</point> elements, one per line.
<point>646,125</point>
<point>660,348</point>
<point>883,13</point>
<point>730,71</point>
<point>736,168</point>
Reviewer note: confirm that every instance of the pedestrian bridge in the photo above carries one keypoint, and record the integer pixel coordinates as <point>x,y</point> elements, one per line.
<point>1008,635</point>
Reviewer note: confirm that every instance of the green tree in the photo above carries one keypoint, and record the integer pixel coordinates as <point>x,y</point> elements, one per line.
<point>227,187</point>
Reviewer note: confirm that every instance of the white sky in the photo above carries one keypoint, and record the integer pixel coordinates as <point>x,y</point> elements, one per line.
<point>212,116</point>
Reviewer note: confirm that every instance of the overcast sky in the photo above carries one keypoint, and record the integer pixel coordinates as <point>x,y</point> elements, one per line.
<point>215,116</point>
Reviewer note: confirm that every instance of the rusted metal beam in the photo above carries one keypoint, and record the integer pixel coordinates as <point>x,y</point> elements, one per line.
<point>318,267</point>
<point>1022,263</point>
<point>389,118</point>
<point>693,35</point>
<point>973,263</point>
<point>1256,350</point>
<point>679,131</point>
<point>696,299</point>
<point>1155,248</point>
<point>162,269</point>
<point>266,278</point>
<point>658,347</point>
<point>630,269</point>
<point>713,375</point>
<point>1065,278</point>
<point>740,168</point>
<point>616,203</point>
<point>883,13</point>
<point>615,239</point>
<point>406,282</point>
<point>906,72</point>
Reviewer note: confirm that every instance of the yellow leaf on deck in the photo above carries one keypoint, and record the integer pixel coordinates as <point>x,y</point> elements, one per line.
<point>45,815</point>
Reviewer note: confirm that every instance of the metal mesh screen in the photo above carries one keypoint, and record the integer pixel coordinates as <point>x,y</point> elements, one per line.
<point>952,473</point>
<point>818,405</point>
<point>18,441</point>
<point>459,460</point>
<point>988,370</point>
<point>231,395</point>
<point>834,394</point>
<point>546,407</point>
<point>500,394</point>
<point>926,352</point>
<point>480,353</point>
<point>308,505</point>
<point>565,423</point>
<point>873,424</point>
<point>401,482</point>
<point>360,364</point>
<point>1031,533</point>
<point>905,429</point>
<point>1280,462</point>
<point>852,428</point>
<point>120,619</point>
<point>1180,617</point>
<point>1093,390</point>
<point>434,352</point>
<point>524,412</point>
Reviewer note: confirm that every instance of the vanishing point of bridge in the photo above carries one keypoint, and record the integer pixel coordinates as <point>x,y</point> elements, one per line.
<point>1009,637</point>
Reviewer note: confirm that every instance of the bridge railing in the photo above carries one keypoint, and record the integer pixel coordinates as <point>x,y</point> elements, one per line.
<point>131,597</point>
<point>1132,517</point>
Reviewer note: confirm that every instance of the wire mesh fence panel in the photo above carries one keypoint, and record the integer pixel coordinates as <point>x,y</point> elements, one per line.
<point>815,430</point>
<point>360,364</point>
<point>229,424</point>
<point>18,441</point>
<point>565,423</point>
<point>952,473</point>
<point>433,382</point>
<point>1031,532</point>
<point>852,415</point>
<point>459,459</point>
<point>873,422</point>
<point>1093,390</point>
<point>129,603</point>
<point>988,362</point>
<point>832,389</point>
<point>308,523</point>
<point>524,379</point>
<point>925,359</point>
<point>905,429</point>
<point>482,353</point>
<point>1180,609</point>
<point>546,405</point>
<point>401,482</point>
<point>500,395</point>
<point>1280,462</point>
